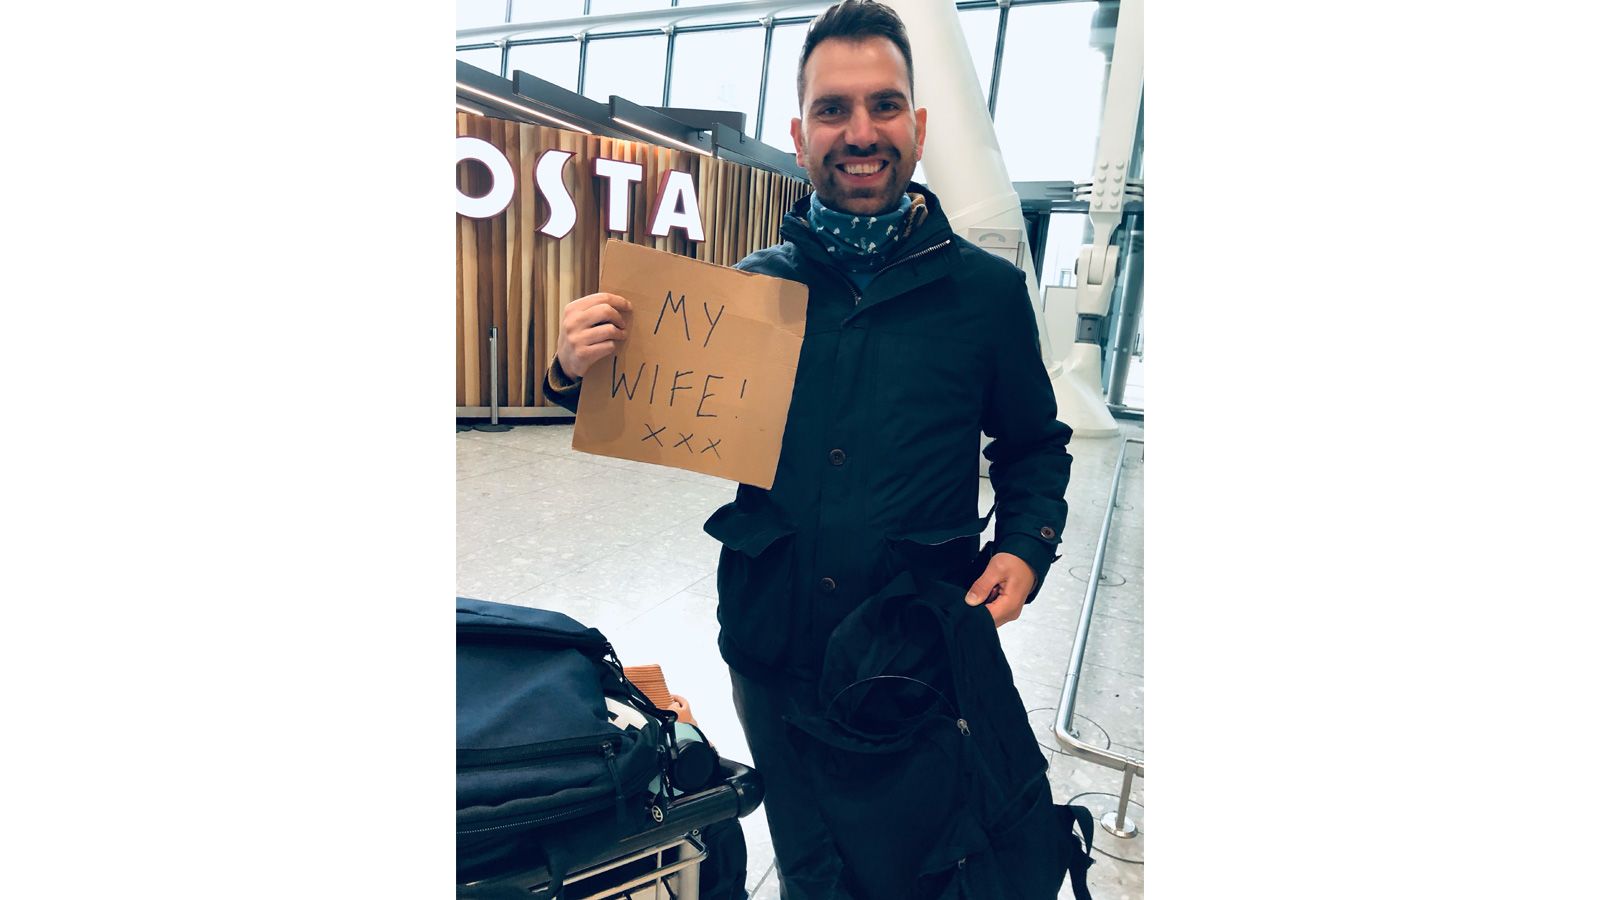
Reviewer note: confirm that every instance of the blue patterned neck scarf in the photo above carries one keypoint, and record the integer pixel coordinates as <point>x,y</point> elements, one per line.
<point>860,243</point>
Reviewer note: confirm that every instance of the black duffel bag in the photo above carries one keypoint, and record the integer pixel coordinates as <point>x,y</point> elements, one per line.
<point>543,775</point>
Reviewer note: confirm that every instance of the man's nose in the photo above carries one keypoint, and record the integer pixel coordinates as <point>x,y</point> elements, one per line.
<point>860,131</point>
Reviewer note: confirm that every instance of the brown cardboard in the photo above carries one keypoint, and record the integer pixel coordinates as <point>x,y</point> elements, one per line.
<point>728,341</point>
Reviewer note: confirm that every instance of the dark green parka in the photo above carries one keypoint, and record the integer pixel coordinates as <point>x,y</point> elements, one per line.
<point>879,466</point>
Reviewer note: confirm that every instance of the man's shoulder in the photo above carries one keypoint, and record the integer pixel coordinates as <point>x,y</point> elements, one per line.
<point>779,260</point>
<point>978,263</point>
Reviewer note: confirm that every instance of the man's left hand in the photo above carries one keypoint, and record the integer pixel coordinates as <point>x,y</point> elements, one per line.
<point>1014,579</point>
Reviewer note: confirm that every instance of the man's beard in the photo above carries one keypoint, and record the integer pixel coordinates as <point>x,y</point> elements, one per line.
<point>837,195</point>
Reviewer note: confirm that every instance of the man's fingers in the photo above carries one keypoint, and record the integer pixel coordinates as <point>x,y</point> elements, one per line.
<point>591,352</point>
<point>601,312</point>
<point>591,300</point>
<point>599,334</point>
<point>1007,607</point>
<point>1009,604</point>
<point>979,593</point>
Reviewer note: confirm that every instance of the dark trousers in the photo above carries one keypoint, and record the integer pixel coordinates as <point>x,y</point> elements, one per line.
<point>809,867</point>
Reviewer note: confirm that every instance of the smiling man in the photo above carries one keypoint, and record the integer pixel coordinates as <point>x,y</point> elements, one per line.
<point>916,340</point>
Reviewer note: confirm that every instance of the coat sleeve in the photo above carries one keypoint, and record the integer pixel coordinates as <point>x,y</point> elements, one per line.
<point>560,389</point>
<point>1028,461</point>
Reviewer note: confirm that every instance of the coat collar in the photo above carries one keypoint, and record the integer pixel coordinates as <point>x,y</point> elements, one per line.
<point>931,227</point>
<point>921,249</point>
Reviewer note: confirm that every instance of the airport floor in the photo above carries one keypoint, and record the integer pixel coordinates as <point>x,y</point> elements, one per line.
<point>618,546</point>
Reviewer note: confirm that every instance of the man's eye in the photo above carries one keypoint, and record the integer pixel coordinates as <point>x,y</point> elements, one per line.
<point>829,111</point>
<point>888,106</point>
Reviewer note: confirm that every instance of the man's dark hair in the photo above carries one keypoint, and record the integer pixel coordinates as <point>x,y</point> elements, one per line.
<point>853,20</point>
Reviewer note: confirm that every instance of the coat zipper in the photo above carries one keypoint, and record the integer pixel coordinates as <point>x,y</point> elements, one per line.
<point>923,252</point>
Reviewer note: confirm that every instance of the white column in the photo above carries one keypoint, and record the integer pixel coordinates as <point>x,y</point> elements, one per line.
<point>964,166</point>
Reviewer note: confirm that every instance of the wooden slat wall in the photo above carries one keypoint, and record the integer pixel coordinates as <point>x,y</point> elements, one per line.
<point>511,275</point>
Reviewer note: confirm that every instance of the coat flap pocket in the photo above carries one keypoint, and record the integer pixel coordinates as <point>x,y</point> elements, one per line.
<point>749,531</point>
<point>936,536</point>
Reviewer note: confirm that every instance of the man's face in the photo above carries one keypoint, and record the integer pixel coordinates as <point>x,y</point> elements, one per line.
<point>858,137</point>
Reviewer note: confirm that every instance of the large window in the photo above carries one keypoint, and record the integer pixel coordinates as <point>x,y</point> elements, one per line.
<point>1061,246</point>
<point>607,7</point>
<point>711,70</point>
<point>633,68</point>
<point>782,102</point>
<point>980,27</point>
<point>487,58</point>
<point>556,63</point>
<point>478,13</point>
<point>545,10</point>
<point>1048,114</point>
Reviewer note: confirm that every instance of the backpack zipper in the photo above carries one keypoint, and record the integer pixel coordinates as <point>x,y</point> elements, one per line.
<point>504,757</point>
<point>616,784</point>
<point>619,799</point>
<point>571,812</point>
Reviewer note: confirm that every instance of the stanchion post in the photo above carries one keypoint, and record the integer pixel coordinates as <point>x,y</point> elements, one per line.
<point>494,384</point>
<point>1118,822</point>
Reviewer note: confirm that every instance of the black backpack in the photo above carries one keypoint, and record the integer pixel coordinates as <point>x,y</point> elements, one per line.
<point>926,771</point>
<point>543,775</point>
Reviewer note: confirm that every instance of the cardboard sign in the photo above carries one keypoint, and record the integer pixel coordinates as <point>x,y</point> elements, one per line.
<point>704,379</point>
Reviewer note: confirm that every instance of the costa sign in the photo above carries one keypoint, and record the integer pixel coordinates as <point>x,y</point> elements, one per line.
<point>675,203</point>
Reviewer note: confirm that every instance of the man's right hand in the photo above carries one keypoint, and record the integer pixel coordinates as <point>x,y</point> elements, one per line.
<point>592,328</point>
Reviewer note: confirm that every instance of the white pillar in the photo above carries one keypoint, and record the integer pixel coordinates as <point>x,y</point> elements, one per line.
<point>964,166</point>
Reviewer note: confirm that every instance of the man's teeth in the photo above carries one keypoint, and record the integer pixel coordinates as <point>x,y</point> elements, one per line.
<point>863,168</point>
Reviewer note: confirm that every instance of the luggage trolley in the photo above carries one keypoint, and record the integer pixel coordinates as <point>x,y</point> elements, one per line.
<point>661,862</point>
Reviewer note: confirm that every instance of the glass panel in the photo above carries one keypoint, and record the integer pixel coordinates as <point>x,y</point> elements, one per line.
<point>1048,115</point>
<point>607,7</point>
<point>981,26</point>
<point>557,63</point>
<point>545,10</point>
<point>719,70</point>
<point>477,13</point>
<point>1061,247</point>
<point>782,102</point>
<point>718,18</point>
<point>486,58</point>
<point>632,68</point>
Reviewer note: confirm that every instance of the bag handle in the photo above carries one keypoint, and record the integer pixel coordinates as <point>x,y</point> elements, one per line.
<point>828,710</point>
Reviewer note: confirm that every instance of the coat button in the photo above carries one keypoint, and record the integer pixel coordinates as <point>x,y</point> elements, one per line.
<point>828,584</point>
<point>836,457</point>
<point>1047,532</point>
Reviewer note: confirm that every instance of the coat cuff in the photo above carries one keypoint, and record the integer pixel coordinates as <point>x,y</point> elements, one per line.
<point>1038,552</point>
<point>560,388</point>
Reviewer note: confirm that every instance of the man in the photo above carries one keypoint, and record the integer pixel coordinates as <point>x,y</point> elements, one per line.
<point>915,340</point>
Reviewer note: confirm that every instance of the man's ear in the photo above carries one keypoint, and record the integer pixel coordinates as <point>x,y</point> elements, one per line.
<point>799,142</point>
<point>922,128</point>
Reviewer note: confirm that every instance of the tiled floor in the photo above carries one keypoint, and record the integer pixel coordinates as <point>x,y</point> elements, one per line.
<point>618,545</point>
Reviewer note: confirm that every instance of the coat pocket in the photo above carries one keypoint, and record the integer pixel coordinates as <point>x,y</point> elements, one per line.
<point>755,579</point>
<point>946,554</point>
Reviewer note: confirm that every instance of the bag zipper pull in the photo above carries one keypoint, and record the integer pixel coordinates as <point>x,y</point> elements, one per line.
<point>616,781</point>
<point>962,724</point>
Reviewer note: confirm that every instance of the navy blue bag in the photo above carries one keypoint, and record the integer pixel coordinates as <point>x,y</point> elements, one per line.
<point>542,773</point>
<point>925,769</point>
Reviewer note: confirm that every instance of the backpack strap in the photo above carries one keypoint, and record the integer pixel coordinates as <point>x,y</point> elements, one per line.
<point>1078,858</point>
